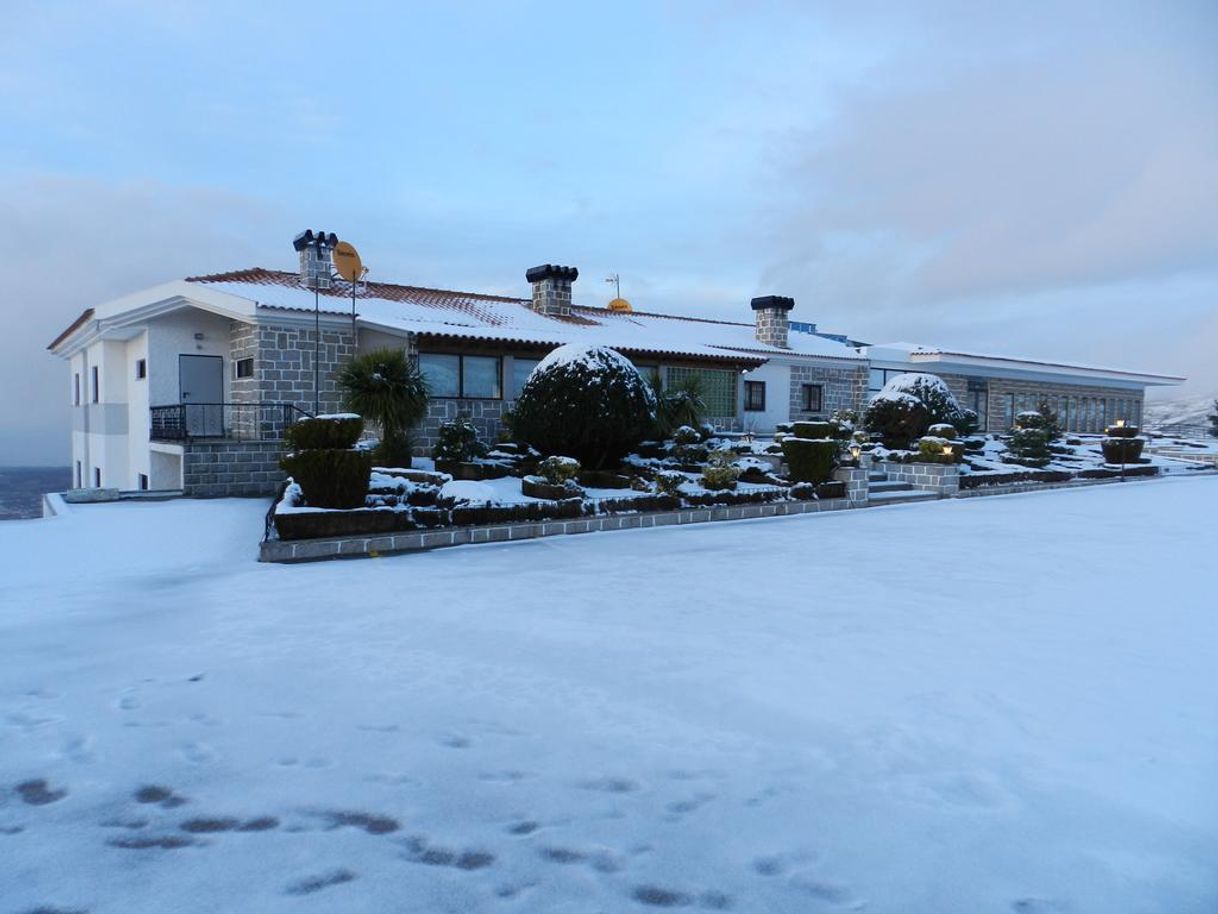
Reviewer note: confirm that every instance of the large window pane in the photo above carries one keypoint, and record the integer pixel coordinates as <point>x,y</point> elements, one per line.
<point>521,369</point>
<point>443,373</point>
<point>481,376</point>
<point>718,389</point>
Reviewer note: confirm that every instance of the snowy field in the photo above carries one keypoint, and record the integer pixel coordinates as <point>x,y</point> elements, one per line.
<point>987,705</point>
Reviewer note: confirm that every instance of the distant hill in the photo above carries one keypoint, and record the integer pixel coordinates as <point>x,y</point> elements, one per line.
<point>1185,411</point>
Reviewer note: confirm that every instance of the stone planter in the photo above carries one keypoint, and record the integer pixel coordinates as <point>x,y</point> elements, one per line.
<point>831,490</point>
<point>314,524</point>
<point>1122,450</point>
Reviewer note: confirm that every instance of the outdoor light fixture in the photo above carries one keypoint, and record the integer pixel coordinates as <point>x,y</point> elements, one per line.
<point>855,451</point>
<point>947,450</point>
<point>1120,423</point>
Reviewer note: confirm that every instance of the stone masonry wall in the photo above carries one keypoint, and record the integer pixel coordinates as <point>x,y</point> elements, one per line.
<point>844,388</point>
<point>941,478</point>
<point>486,416</point>
<point>283,369</point>
<point>217,469</point>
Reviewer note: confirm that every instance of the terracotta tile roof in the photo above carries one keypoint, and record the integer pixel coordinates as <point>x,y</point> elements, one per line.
<point>505,319</point>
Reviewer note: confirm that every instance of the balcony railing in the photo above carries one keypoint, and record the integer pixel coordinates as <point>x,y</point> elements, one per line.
<point>232,421</point>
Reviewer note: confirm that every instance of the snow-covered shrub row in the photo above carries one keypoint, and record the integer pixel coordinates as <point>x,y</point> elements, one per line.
<point>586,402</point>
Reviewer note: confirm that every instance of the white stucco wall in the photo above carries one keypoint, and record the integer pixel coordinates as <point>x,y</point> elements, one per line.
<point>174,335</point>
<point>777,379</point>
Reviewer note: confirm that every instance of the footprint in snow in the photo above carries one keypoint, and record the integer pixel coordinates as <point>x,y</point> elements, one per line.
<point>373,825</point>
<point>38,793</point>
<point>162,796</point>
<point>311,884</point>
<point>610,785</point>
<point>419,851</point>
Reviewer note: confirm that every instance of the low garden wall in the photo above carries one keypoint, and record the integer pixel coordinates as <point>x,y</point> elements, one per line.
<point>941,478</point>
<point>417,541</point>
<point>223,469</point>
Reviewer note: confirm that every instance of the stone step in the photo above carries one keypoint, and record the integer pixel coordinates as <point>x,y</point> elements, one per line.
<point>896,497</point>
<point>890,486</point>
<point>877,476</point>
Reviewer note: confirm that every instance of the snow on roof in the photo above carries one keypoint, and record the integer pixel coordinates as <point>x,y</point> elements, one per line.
<point>501,318</point>
<point>918,353</point>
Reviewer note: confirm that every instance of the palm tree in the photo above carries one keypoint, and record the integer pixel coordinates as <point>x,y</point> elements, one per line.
<point>386,387</point>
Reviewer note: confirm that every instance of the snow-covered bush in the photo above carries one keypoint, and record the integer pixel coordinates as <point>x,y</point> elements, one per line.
<point>943,430</point>
<point>330,477</point>
<point>968,421</point>
<point>339,431</point>
<point>686,434</point>
<point>814,429</point>
<point>669,482</point>
<point>720,477</point>
<point>588,402</point>
<point>810,461</point>
<point>1122,450</point>
<point>896,417</point>
<point>557,470</point>
<point>934,449</point>
<point>457,442</point>
<point>1028,447</point>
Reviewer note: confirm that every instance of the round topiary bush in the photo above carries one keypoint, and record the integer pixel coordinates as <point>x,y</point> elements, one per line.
<point>339,431</point>
<point>810,461</point>
<point>586,402</point>
<point>932,391</point>
<point>896,417</point>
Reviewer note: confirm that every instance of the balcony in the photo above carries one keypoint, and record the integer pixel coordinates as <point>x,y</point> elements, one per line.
<point>183,422</point>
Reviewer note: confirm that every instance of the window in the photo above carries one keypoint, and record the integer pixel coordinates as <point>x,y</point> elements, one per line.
<point>143,482</point>
<point>97,476</point>
<point>1009,418</point>
<point>754,396</point>
<point>875,380</point>
<point>79,475</point>
<point>96,386</point>
<point>812,397</point>
<point>471,376</point>
<point>718,388</point>
<point>141,369</point>
<point>481,376</point>
<point>243,368</point>
<point>521,369</point>
<point>76,390</point>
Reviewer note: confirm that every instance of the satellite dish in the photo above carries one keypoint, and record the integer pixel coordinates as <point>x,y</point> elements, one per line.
<point>347,262</point>
<point>620,304</point>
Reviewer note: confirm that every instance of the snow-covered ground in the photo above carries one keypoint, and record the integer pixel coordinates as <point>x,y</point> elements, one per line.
<point>986,705</point>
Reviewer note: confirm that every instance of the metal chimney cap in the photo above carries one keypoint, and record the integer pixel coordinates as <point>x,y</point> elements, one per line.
<point>551,271</point>
<point>778,302</point>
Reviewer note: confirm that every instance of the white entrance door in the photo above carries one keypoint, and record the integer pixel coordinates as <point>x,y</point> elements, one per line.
<point>201,381</point>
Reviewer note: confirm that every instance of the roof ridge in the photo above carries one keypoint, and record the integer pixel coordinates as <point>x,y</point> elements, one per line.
<point>286,277</point>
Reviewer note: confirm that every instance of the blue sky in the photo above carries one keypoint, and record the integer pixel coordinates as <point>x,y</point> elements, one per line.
<point>1027,178</point>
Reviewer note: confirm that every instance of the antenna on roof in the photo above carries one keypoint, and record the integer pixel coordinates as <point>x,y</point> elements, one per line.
<point>349,266</point>
<point>618,303</point>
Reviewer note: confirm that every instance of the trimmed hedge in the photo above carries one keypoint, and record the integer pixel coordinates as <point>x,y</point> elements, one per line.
<point>815,430</point>
<point>330,478</point>
<point>810,461</point>
<point>324,433</point>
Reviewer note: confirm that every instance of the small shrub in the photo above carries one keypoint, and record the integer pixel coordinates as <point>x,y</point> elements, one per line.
<point>810,461</point>
<point>943,430</point>
<point>803,491</point>
<point>682,404</point>
<point>331,478</point>
<point>720,477</point>
<point>686,434</point>
<point>324,432</point>
<point>557,470</point>
<point>1029,447</point>
<point>669,482</point>
<point>1049,420</point>
<point>457,442</point>
<point>1122,450</point>
<point>933,449</point>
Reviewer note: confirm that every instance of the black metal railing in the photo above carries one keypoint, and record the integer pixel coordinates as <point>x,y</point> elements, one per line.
<point>1184,430</point>
<point>234,421</point>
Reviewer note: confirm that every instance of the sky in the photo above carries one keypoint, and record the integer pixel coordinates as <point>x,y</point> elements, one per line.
<point>1025,178</point>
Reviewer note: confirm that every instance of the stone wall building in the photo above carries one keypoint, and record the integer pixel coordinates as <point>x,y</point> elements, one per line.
<point>188,386</point>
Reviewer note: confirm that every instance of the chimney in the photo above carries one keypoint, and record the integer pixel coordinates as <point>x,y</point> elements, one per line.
<point>314,249</point>
<point>552,289</point>
<point>772,323</point>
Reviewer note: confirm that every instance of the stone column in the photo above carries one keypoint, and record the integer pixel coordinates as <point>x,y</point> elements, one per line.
<point>855,479</point>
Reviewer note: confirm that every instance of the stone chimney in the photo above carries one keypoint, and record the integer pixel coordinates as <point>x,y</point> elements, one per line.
<point>552,289</point>
<point>772,323</point>
<point>314,249</point>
